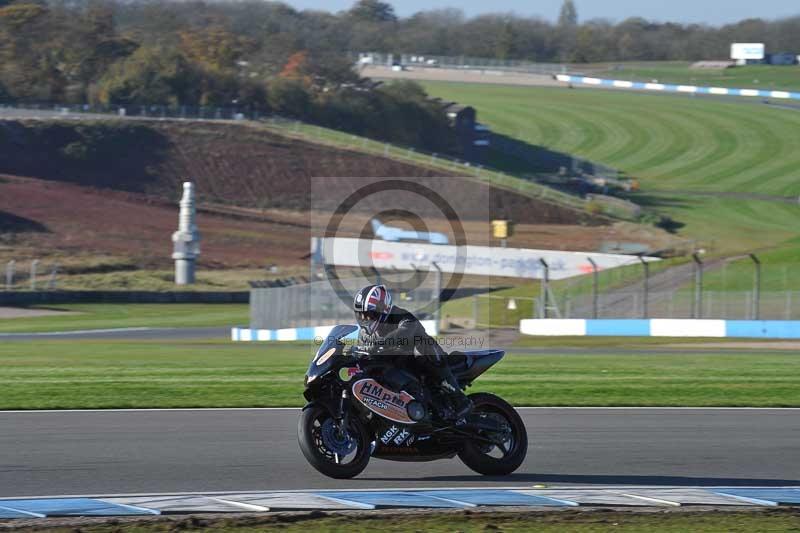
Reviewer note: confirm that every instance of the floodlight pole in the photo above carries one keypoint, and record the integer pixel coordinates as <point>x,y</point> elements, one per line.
<point>756,310</point>
<point>595,285</point>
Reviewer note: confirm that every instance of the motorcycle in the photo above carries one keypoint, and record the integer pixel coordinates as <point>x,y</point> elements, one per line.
<point>360,406</point>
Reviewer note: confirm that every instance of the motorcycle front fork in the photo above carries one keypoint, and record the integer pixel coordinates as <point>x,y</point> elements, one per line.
<point>342,417</point>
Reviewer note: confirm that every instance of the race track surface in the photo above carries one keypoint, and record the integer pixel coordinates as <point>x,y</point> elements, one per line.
<point>105,452</point>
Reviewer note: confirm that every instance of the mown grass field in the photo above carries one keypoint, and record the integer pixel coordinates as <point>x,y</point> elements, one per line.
<point>783,77</point>
<point>109,316</point>
<point>146,374</point>
<point>700,161</point>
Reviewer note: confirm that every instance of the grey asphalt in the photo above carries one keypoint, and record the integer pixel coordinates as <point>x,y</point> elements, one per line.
<point>105,452</point>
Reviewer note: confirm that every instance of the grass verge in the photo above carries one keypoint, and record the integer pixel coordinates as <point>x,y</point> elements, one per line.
<point>107,316</point>
<point>470,521</point>
<point>147,374</point>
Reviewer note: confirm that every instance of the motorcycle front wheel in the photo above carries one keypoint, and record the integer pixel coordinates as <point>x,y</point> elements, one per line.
<point>507,455</point>
<point>337,453</point>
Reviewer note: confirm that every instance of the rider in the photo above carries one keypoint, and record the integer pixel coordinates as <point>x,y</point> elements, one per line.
<point>399,332</point>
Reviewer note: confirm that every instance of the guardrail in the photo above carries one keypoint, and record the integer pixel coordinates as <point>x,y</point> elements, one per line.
<point>673,88</point>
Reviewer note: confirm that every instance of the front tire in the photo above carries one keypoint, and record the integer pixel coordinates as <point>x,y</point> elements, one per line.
<point>310,428</point>
<point>493,460</point>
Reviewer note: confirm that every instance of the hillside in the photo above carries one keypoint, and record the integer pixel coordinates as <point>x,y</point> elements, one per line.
<point>726,171</point>
<point>100,200</point>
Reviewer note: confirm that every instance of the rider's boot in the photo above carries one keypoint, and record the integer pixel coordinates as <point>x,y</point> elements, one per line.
<point>456,397</point>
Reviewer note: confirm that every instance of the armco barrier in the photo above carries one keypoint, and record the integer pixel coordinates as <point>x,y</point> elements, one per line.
<point>301,334</point>
<point>671,88</point>
<point>663,327</point>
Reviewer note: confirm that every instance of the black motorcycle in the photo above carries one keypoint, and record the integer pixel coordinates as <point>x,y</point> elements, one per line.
<point>363,406</point>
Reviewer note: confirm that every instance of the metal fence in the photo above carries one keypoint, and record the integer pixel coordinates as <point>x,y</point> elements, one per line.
<point>507,311</point>
<point>327,303</point>
<point>30,275</point>
<point>459,62</point>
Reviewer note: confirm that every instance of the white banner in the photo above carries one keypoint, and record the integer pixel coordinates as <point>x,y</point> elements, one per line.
<point>474,260</point>
<point>747,51</point>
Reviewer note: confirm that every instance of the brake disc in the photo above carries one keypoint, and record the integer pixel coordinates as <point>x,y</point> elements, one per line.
<point>338,442</point>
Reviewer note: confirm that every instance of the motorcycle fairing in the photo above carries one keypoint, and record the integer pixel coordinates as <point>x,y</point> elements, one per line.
<point>382,401</point>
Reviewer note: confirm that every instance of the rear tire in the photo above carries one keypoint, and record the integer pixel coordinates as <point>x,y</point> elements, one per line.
<point>475,454</point>
<point>324,460</point>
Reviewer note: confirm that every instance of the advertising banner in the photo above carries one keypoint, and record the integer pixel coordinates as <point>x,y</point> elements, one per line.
<point>470,260</point>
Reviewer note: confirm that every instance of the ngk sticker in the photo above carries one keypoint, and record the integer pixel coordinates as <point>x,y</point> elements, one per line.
<point>391,432</point>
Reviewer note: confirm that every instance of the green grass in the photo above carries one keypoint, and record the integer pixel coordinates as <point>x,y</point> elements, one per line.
<point>744,77</point>
<point>106,316</point>
<point>675,146</point>
<point>705,521</point>
<point>143,374</point>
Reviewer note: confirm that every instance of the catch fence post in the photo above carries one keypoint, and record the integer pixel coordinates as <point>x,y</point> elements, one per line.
<point>595,285</point>
<point>10,269</point>
<point>645,286</point>
<point>51,284</point>
<point>34,268</point>
<point>756,311</point>
<point>545,288</point>
<point>697,309</point>
<point>437,316</point>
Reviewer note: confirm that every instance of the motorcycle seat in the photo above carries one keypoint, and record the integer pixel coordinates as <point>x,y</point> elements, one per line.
<point>469,365</point>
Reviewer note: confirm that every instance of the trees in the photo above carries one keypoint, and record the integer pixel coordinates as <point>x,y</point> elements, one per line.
<point>568,16</point>
<point>373,11</point>
<point>152,75</point>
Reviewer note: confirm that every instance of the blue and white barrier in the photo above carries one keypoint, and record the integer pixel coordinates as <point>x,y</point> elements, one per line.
<point>302,334</point>
<point>662,327</point>
<point>671,88</point>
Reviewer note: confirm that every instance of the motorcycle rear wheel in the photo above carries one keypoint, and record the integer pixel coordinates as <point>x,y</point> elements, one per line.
<point>324,460</point>
<point>477,455</point>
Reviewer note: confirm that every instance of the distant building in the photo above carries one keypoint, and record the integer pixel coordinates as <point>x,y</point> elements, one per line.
<point>473,138</point>
<point>782,58</point>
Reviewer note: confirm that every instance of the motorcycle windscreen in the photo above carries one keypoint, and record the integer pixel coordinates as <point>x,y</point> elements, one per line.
<point>382,401</point>
<point>327,351</point>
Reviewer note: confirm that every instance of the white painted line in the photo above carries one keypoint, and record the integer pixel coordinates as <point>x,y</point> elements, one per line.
<point>134,507</point>
<point>614,489</point>
<point>348,502</point>
<point>450,500</point>
<point>241,505</point>
<point>648,499</point>
<point>748,92</point>
<point>780,94</point>
<point>747,499</point>
<point>687,89</point>
<point>654,86</point>
<point>718,90</point>
<point>623,83</point>
<point>20,511</point>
